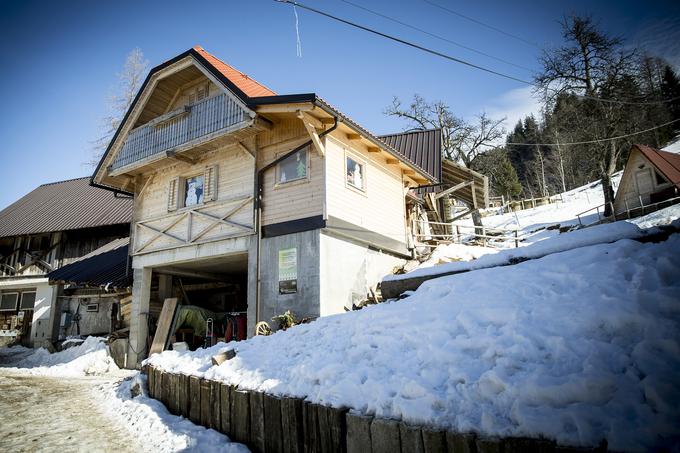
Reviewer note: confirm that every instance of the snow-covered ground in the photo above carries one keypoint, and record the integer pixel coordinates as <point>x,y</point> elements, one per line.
<point>674,146</point>
<point>89,368</point>
<point>88,358</point>
<point>532,223</point>
<point>580,345</point>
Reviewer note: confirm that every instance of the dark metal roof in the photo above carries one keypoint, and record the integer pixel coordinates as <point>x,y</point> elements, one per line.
<point>105,266</point>
<point>64,205</point>
<point>423,148</point>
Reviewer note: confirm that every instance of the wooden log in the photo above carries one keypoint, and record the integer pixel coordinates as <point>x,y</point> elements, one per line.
<point>524,444</point>
<point>325,433</point>
<point>240,416</point>
<point>184,395</point>
<point>385,436</point>
<point>215,413</point>
<point>311,428</point>
<point>411,439</point>
<point>337,422</point>
<point>150,374</point>
<point>222,357</point>
<point>225,409</point>
<point>256,443</point>
<point>173,401</point>
<point>205,403</point>
<point>358,433</point>
<point>434,441</point>
<point>489,445</point>
<point>166,390</point>
<point>463,443</point>
<point>195,402</point>
<point>292,425</point>
<point>273,438</point>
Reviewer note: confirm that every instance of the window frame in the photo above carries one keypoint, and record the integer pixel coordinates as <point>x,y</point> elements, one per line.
<point>21,300</point>
<point>16,304</point>
<point>183,193</point>
<point>291,182</point>
<point>357,160</point>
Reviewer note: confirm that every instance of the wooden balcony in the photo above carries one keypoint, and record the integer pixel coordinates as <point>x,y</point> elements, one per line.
<point>182,130</point>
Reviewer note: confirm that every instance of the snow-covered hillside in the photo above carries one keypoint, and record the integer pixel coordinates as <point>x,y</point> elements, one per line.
<point>580,345</point>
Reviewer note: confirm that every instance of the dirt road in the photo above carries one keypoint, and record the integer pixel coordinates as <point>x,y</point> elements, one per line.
<point>42,414</point>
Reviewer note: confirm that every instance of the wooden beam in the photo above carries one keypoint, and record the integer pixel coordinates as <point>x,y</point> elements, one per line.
<point>285,108</point>
<point>172,101</point>
<point>284,143</point>
<point>309,122</point>
<point>390,161</point>
<point>245,149</point>
<point>373,149</point>
<point>326,121</point>
<point>181,158</point>
<point>450,190</point>
<point>409,172</point>
<point>353,136</point>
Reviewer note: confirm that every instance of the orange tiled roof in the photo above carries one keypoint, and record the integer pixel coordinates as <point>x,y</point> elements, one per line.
<point>250,87</point>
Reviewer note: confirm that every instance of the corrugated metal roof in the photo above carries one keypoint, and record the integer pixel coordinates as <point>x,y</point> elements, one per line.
<point>423,148</point>
<point>667,163</point>
<point>105,266</point>
<point>62,206</point>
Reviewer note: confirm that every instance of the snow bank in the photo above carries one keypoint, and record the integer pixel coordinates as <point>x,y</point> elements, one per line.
<point>580,238</point>
<point>455,252</point>
<point>674,146</point>
<point>577,346</point>
<point>155,428</point>
<point>665,216</point>
<point>89,358</point>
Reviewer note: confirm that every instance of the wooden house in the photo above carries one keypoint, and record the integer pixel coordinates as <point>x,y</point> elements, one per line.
<point>248,203</point>
<point>650,178</point>
<point>52,226</point>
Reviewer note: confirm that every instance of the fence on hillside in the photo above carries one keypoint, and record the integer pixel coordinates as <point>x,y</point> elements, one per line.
<point>266,423</point>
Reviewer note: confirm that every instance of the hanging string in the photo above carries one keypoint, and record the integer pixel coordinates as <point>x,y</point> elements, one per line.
<point>297,33</point>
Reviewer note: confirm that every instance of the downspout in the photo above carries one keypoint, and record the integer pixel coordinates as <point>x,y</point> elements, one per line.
<point>259,198</point>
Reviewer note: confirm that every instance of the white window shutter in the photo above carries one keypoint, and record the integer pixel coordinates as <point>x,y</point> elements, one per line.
<point>173,189</point>
<point>210,183</point>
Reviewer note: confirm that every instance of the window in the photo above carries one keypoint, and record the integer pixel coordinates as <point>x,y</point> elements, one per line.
<point>293,167</point>
<point>355,174</point>
<point>27,300</point>
<point>8,301</point>
<point>193,191</point>
<point>659,179</point>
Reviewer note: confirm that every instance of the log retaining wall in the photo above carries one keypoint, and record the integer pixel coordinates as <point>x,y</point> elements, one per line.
<point>266,423</point>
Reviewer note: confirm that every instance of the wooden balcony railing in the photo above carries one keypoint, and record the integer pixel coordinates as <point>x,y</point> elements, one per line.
<point>177,129</point>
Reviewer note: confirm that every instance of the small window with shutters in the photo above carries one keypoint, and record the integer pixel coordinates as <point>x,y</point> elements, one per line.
<point>193,190</point>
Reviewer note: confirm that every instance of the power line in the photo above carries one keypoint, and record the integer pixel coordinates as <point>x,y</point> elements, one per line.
<point>467,63</point>
<point>483,24</point>
<point>601,140</point>
<point>401,41</point>
<point>471,49</point>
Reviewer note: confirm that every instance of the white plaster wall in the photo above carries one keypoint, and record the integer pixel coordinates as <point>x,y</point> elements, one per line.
<point>45,297</point>
<point>348,270</point>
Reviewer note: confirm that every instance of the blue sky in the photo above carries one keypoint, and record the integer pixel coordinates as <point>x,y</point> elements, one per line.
<point>60,61</point>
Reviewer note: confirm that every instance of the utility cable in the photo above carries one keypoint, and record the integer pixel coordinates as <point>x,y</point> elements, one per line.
<point>463,62</point>
<point>471,49</point>
<point>479,22</point>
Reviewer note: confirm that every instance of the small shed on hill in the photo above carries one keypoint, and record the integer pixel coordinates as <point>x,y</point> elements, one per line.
<point>651,176</point>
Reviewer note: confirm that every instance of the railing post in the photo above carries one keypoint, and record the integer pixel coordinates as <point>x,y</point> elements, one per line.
<point>516,240</point>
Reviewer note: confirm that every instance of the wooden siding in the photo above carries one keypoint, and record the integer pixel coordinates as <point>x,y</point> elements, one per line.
<point>296,199</point>
<point>235,182</point>
<point>628,196</point>
<point>381,207</point>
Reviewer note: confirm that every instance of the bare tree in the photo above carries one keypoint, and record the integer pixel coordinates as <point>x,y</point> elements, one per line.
<point>462,141</point>
<point>593,64</point>
<point>130,80</point>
